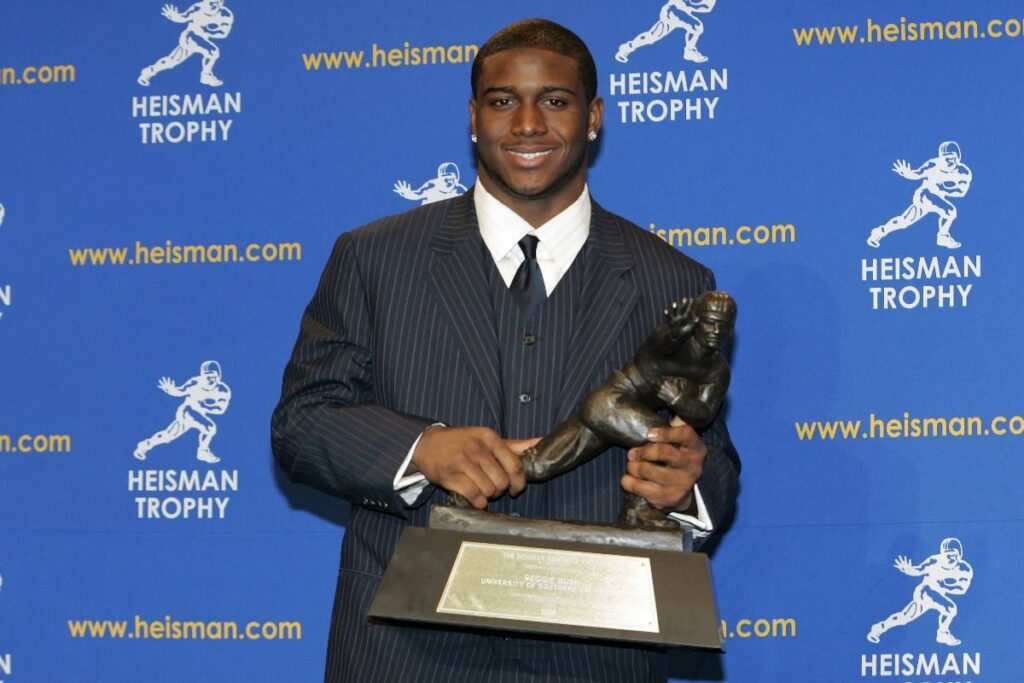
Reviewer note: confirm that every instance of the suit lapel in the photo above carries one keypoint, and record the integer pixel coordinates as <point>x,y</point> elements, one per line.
<point>460,280</point>
<point>608,297</point>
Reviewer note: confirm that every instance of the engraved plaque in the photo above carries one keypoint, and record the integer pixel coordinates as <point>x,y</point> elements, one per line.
<point>550,586</point>
<point>568,587</point>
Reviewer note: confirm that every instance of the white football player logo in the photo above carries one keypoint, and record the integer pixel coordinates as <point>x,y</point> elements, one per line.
<point>941,178</point>
<point>205,395</point>
<point>943,575</point>
<point>444,186</point>
<point>207,21</point>
<point>675,14</point>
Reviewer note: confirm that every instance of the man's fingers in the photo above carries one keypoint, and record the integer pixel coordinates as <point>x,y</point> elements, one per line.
<point>680,433</point>
<point>464,485</point>
<point>519,445</point>
<point>494,469</point>
<point>481,478</point>
<point>507,453</point>
<point>676,477</point>
<point>475,457</point>
<point>660,453</point>
<point>661,497</point>
<point>654,494</point>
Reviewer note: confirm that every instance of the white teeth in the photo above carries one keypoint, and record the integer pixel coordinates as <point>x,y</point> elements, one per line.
<point>531,155</point>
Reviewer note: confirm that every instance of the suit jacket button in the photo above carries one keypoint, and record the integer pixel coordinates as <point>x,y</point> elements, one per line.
<point>529,339</point>
<point>525,397</point>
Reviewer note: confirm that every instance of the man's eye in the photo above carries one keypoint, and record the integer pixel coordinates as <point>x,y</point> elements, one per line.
<point>501,102</point>
<point>555,102</point>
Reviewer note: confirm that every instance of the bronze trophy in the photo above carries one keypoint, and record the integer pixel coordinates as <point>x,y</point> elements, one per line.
<point>632,581</point>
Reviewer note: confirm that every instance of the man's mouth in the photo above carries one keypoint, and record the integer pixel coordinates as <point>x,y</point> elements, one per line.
<point>530,155</point>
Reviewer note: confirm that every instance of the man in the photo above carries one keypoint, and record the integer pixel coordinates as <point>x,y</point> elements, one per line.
<point>942,177</point>
<point>445,186</point>
<point>207,21</point>
<point>514,301</point>
<point>945,574</point>
<point>674,14</point>
<point>204,395</point>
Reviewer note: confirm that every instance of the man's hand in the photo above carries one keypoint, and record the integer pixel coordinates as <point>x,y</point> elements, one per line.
<point>472,461</point>
<point>665,470</point>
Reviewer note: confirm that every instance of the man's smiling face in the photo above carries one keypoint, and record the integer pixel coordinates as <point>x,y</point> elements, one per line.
<point>531,120</point>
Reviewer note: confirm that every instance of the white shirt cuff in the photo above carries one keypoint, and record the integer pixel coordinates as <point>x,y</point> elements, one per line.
<point>701,524</point>
<point>410,486</point>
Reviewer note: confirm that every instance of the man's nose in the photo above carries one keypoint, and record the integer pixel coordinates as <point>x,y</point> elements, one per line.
<point>529,120</point>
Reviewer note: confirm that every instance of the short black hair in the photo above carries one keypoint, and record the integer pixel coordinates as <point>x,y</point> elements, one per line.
<point>541,34</point>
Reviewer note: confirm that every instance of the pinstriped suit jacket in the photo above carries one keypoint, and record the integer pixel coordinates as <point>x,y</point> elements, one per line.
<point>399,335</point>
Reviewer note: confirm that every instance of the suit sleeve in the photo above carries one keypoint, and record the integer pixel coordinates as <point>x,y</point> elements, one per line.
<point>328,431</point>
<point>719,483</point>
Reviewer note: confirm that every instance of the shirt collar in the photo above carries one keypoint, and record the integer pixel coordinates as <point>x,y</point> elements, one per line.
<point>561,238</point>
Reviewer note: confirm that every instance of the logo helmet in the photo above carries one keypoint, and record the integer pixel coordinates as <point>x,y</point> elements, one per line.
<point>210,366</point>
<point>448,168</point>
<point>950,147</point>
<point>952,544</point>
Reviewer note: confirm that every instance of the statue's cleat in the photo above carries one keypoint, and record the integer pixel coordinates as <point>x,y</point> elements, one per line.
<point>946,240</point>
<point>647,518</point>
<point>458,500</point>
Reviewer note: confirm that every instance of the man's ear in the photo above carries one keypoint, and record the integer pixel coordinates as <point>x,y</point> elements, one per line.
<point>595,115</point>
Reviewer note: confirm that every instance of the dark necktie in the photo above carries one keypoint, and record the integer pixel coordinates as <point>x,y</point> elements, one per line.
<point>528,283</point>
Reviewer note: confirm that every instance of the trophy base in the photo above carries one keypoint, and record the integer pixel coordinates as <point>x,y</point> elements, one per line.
<point>483,570</point>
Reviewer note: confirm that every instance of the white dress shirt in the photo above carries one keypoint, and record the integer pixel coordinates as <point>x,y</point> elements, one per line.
<point>560,241</point>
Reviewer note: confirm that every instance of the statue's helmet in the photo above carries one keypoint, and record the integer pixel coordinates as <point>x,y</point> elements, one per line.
<point>952,544</point>
<point>210,367</point>
<point>716,301</point>
<point>448,168</point>
<point>950,147</point>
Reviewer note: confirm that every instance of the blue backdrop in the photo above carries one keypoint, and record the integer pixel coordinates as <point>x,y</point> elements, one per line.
<point>146,229</point>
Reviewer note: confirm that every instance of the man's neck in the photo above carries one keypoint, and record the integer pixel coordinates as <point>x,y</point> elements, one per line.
<point>535,211</point>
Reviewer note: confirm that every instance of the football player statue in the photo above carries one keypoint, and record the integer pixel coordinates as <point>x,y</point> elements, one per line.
<point>679,368</point>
